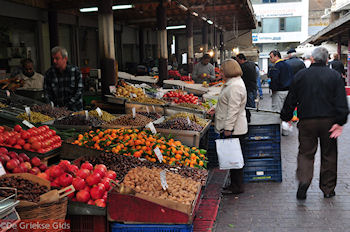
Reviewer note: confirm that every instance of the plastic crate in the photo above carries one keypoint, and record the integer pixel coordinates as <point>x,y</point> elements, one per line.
<point>268,162</point>
<point>264,132</point>
<point>116,227</point>
<point>269,173</point>
<point>261,149</point>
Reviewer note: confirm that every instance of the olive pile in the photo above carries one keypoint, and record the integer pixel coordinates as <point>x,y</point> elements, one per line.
<point>79,120</point>
<point>148,100</point>
<point>26,189</point>
<point>35,117</point>
<point>54,112</point>
<point>179,124</point>
<point>151,115</point>
<point>107,117</point>
<point>128,120</point>
<point>202,122</point>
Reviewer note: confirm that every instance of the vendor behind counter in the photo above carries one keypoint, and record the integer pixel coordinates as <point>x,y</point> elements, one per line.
<point>203,71</point>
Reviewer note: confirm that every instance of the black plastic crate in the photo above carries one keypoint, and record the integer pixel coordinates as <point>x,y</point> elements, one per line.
<point>264,132</point>
<point>264,162</point>
<point>261,149</point>
<point>271,173</point>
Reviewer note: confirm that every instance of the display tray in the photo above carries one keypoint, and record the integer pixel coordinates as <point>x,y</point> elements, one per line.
<point>72,151</point>
<point>76,127</point>
<point>106,126</point>
<point>79,208</point>
<point>115,100</point>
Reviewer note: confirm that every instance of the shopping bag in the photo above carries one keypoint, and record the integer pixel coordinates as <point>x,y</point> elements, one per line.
<point>229,153</point>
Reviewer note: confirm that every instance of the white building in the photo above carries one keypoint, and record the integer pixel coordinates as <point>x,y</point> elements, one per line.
<point>283,25</point>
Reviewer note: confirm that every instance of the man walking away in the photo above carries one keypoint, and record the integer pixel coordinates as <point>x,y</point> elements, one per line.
<point>338,66</point>
<point>294,62</point>
<point>249,78</point>
<point>320,96</point>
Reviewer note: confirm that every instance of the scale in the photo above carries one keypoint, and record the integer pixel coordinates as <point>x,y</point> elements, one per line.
<point>8,214</point>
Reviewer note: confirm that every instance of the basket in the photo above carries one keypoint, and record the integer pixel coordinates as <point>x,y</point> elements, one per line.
<point>49,211</point>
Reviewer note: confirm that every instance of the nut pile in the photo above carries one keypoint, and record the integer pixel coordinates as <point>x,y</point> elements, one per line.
<point>35,117</point>
<point>79,120</point>
<point>147,181</point>
<point>127,91</point>
<point>179,124</point>
<point>54,112</point>
<point>151,115</point>
<point>107,117</point>
<point>202,122</point>
<point>148,100</point>
<point>26,189</point>
<point>128,120</point>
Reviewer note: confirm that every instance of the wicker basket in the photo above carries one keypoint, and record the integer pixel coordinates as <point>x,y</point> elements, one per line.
<point>49,211</point>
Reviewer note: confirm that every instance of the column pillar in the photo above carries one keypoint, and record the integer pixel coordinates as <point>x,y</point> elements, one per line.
<point>106,46</point>
<point>162,41</point>
<point>222,51</point>
<point>189,34</point>
<point>205,37</point>
<point>53,28</point>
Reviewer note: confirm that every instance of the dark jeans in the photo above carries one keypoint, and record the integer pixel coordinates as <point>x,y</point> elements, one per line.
<point>251,95</point>
<point>236,175</point>
<point>310,131</point>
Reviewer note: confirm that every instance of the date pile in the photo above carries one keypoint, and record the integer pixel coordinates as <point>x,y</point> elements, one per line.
<point>151,115</point>
<point>53,112</point>
<point>179,124</point>
<point>79,120</point>
<point>26,189</point>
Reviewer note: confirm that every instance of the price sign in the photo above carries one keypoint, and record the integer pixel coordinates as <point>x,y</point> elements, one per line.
<point>158,154</point>
<point>132,95</point>
<point>182,88</point>
<point>7,93</point>
<point>154,109</point>
<point>147,109</point>
<point>99,111</point>
<point>2,170</point>
<point>163,182</point>
<point>52,105</point>
<point>28,124</point>
<point>133,112</point>
<point>27,109</point>
<point>86,114</point>
<point>112,89</point>
<point>189,121</point>
<point>151,127</point>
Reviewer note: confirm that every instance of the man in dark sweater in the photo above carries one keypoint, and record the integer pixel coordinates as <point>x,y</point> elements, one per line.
<point>294,62</point>
<point>320,96</point>
<point>249,78</point>
<point>337,65</point>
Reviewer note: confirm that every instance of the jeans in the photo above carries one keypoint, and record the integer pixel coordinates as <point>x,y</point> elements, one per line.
<point>251,95</point>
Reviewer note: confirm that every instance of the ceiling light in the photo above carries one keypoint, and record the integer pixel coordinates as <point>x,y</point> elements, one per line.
<point>194,13</point>
<point>204,18</point>
<point>182,7</point>
<point>176,27</point>
<point>121,7</point>
<point>210,22</point>
<point>89,9</point>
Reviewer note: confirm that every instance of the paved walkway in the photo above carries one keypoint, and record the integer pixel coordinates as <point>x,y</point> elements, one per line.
<point>270,206</point>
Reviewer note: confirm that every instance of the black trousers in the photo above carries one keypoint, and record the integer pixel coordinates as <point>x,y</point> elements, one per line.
<point>236,175</point>
<point>310,131</point>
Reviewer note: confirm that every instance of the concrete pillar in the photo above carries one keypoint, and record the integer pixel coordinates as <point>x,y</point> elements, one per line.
<point>162,41</point>
<point>53,28</point>
<point>189,34</point>
<point>106,45</point>
<point>222,48</point>
<point>205,37</point>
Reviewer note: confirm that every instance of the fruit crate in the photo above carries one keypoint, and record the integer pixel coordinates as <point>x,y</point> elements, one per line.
<point>116,227</point>
<point>263,173</point>
<point>262,162</point>
<point>261,149</point>
<point>263,132</point>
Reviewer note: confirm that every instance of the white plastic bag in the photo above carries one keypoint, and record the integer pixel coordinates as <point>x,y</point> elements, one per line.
<point>229,153</point>
<point>287,128</point>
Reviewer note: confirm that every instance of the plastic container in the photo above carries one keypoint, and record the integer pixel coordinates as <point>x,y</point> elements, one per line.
<point>261,149</point>
<point>267,173</point>
<point>116,227</point>
<point>263,132</point>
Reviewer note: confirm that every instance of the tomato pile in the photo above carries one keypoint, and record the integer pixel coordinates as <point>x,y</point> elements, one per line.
<point>132,142</point>
<point>179,97</point>
<point>37,139</point>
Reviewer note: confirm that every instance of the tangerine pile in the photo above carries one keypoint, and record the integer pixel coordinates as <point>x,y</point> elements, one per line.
<point>141,143</point>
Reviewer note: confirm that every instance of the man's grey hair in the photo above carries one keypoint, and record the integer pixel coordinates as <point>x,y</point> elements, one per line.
<point>320,55</point>
<point>58,49</point>
<point>292,54</point>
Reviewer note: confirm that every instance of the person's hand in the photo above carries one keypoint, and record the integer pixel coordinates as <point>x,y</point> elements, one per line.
<point>336,131</point>
<point>203,75</point>
<point>227,133</point>
<point>211,111</point>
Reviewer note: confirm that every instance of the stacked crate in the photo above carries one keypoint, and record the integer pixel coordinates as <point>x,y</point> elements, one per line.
<point>211,150</point>
<point>262,150</point>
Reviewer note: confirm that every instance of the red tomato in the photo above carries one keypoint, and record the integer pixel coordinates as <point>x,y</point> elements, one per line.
<point>18,128</point>
<point>36,145</point>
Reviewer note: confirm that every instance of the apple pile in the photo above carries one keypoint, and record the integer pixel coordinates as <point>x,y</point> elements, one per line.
<point>178,97</point>
<point>91,183</point>
<point>20,163</point>
<point>37,139</point>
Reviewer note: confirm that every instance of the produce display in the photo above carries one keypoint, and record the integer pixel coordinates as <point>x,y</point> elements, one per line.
<point>37,139</point>
<point>147,181</point>
<point>133,142</point>
<point>53,112</point>
<point>180,97</point>
<point>79,120</point>
<point>151,115</point>
<point>107,117</point>
<point>200,121</point>
<point>209,103</point>
<point>128,120</point>
<point>128,91</point>
<point>179,124</point>
<point>122,164</point>
<point>20,163</point>
<point>35,117</point>
<point>148,100</point>
<point>192,106</point>
<point>91,183</point>
<point>2,105</point>
<point>26,189</point>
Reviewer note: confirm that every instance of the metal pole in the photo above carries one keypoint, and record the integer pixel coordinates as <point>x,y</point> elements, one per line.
<point>162,35</point>
<point>222,52</point>
<point>53,28</point>
<point>205,37</point>
<point>189,33</point>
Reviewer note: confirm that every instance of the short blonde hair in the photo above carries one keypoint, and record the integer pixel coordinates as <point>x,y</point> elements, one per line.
<point>231,68</point>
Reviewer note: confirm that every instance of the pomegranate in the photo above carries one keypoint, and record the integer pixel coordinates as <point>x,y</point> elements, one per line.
<point>93,179</point>
<point>56,171</point>
<point>96,192</point>
<point>64,164</point>
<point>83,196</point>
<point>111,174</point>
<point>10,165</point>
<point>78,183</point>
<point>35,161</point>
<point>65,180</point>
<point>83,173</point>
<point>87,165</point>
<point>24,157</point>
<point>73,168</point>
<point>100,203</point>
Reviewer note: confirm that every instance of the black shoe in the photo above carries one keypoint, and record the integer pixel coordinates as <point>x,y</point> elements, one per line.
<point>229,191</point>
<point>302,189</point>
<point>329,195</point>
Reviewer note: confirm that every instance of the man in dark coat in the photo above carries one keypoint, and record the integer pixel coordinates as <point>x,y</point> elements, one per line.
<point>337,65</point>
<point>320,96</point>
<point>294,62</point>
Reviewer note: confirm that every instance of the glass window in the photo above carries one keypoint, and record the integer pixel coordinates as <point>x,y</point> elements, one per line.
<point>292,24</point>
<point>270,25</point>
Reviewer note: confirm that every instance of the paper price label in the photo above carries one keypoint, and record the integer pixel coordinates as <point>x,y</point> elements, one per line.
<point>132,95</point>
<point>2,170</point>
<point>86,114</point>
<point>151,127</point>
<point>28,124</point>
<point>189,121</point>
<point>182,88</point>
<point>27,109</point>
<point>147,109</point>
<point>158,154</point>
<point>8,93</point>
<point>112,89</point>
<point>99,111</point>
<point>52,105</point>
<point>163,182</point>
<point>133,112</point>
<point>154,109</point>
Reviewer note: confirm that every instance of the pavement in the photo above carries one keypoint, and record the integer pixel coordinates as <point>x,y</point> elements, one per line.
<point>273,207</point>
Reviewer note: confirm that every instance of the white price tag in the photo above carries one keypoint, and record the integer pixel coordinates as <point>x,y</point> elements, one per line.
<point>8,93</point>
<point>158,154</point>
<point>28,124</point>
<point>163,182</point>
<point>182,88</point>
<point>133,112</point>
<point>112,89</point>
<point>99,111</point>
<point>132,95</point>
<point>154,109</point>
<point>147,109</point>
<point>52,104</point>
<point>27,109</point>
<point>86,114</point>
<point>189,121</point>
<point>2,170</point>
<point>151,127</point>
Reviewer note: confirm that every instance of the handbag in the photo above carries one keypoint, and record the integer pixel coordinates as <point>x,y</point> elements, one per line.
<point>229,153</point>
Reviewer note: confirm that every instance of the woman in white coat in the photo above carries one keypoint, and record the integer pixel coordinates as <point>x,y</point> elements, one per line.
<point>230,115</point>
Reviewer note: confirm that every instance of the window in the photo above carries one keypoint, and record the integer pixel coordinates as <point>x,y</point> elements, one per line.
<point>270,25</point>
<point>273,25</point>
<point>293,24</point>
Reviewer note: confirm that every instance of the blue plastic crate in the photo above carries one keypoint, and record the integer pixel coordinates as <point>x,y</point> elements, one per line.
<point>116,227</point>
<point>269,162</point>
<point>262,173</point>
<point>264,132</point>
<point>261,149</point>
<point>268,177</point>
